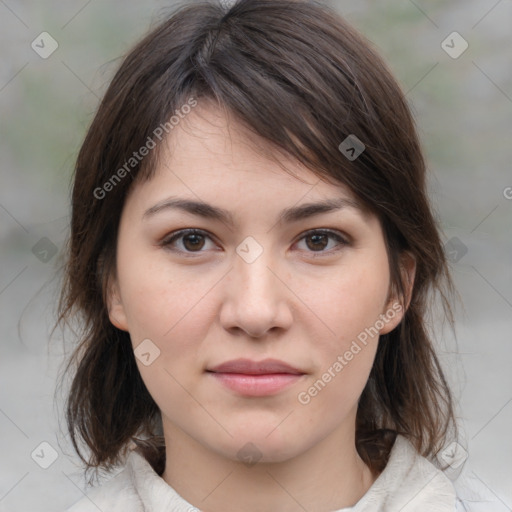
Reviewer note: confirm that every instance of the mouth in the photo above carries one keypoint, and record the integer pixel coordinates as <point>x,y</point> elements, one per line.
<point>256,378</point>
<point>249,367</point>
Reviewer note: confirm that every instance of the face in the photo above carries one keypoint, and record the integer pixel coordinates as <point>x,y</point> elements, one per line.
<point>259,278</point>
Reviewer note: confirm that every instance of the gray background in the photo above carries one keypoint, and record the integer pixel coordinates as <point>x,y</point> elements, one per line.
<point>463,107</point>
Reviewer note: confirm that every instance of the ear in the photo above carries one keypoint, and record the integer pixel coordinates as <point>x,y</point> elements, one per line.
<point>115,306</point>
<point>397,304</point>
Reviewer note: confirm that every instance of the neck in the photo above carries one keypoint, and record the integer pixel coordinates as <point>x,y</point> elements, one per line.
<point>329,476</point>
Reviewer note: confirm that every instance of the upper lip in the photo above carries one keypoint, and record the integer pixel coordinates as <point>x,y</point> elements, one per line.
<point>249,367</point>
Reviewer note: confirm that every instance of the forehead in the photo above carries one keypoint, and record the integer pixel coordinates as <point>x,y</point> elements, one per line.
<point>215,141</point>
<point>211,148</point>
<point>210,157</point>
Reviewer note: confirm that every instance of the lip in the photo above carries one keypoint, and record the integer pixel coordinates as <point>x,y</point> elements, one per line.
<point>255,378</point>
<point>249,367</point>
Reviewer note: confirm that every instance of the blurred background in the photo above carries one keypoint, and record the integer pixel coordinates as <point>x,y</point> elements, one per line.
<point>453,59</point>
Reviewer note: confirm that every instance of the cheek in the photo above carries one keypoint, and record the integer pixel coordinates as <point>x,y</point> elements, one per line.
<point>164,307</point>
<point>349,304</point>
<point>354,297</point>
<point>156,298</point>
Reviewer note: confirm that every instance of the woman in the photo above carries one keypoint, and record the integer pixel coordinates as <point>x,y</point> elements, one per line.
<point>253,255</point>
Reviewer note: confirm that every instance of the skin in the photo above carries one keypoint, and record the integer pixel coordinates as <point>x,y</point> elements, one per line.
<point>214,306</point>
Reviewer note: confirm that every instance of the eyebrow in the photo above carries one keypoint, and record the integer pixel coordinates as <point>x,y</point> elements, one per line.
<point>287,216</point>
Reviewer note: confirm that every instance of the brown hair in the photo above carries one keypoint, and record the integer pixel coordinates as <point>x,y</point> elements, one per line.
<point>301,79</point>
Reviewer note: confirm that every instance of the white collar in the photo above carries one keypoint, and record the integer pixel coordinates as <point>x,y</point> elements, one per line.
<point>408,483</point>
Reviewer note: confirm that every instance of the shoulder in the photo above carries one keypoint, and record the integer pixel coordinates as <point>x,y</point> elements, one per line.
<point>474,496</point>
<point>116,495</point>
<point>409,483</point>
<point>135,489</point>
<point>420,484</point>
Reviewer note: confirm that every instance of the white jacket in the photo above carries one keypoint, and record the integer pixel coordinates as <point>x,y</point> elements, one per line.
<point>409,483</point>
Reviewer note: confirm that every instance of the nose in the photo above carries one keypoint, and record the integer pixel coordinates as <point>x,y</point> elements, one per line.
<point>256,298</point>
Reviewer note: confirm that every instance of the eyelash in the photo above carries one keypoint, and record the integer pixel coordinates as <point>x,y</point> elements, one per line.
<point>167,241</point>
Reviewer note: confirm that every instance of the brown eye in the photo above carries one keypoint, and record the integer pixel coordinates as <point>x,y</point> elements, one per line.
<point>318,240</point>
<point>193,242</point>
<point>186,241</point>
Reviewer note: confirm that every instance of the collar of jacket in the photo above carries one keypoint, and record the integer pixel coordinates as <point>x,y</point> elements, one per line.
<point>409,483</point>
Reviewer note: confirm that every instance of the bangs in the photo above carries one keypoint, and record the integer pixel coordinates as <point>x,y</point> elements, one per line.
<point>296,94</point>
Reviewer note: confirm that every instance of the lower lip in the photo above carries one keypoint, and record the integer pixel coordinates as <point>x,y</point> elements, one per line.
<point>256,385</point>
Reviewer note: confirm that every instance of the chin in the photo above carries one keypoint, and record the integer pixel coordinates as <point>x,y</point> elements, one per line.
<point>256,445</point>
